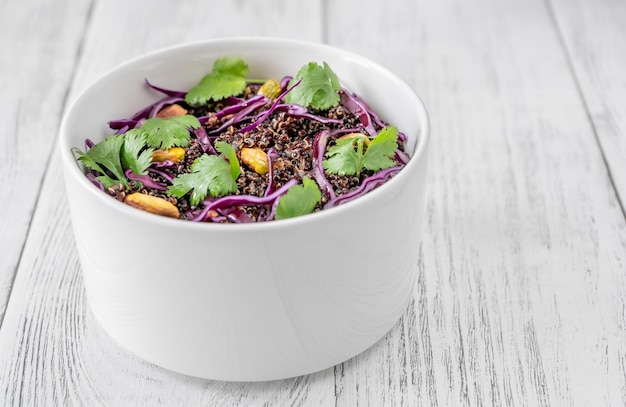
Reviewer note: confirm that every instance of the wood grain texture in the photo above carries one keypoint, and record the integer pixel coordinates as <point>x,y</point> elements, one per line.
<point>521,291</point>
<point>523,254</point>
<point>593,35</point>
<point>38,60</point>
<point>124,30</point>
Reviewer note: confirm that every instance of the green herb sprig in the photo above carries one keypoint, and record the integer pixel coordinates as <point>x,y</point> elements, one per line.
<point>299,200</point>
<point>133,149</point>
<point>228,78</point>
<point>135,155</point>
<point>349,156</point>
<point>318,87</point>
<point>210,175</point>
<point>170,132</point>
<point>105,156</point>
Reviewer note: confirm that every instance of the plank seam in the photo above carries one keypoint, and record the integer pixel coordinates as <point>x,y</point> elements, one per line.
<point>572,68</point>
<point>64,102</point>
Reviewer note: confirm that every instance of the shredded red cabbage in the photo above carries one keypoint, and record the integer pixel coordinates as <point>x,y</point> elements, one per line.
<point>204,140</point>
<point>300,111</point>
<point>359,110</point>
<point>272,156</point>
<point>401,157</point>
<point>235,215</point>
<point>91,177</point>
<point>238,200</point>
<point>269,111</point>
<point>250,107</point>
<point>160,105</point>
<point>236,106</point>
<point>164,164</point>
<point>121,124</point>
<point>145,180</point>
<point>369,111</point>
<point>168,92</point>
<point>284,82</point>
<point>319,148</point>
<point>162,173</point>
<point>367,185</point>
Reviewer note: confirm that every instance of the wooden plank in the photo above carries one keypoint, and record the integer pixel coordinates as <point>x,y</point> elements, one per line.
<point>522,288</point>
<point>52,351</point>
<point>39,56</point>
<point>520,295</point>
<point>594,34</point>
<point>145,26</point>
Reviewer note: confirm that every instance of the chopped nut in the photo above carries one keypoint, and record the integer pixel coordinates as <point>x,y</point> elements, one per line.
<point>270,88</point>
<point>366,140</point>
<point>171,111</point>
<point>152,204</point>
<point>174,154</point>
<point>279,164</point>
<point>256,159</point>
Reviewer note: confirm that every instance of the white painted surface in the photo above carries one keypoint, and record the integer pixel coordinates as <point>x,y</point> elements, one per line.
<point>522,284</point>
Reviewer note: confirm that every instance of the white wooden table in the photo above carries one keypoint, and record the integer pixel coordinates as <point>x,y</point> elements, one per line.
<point>521,291</point>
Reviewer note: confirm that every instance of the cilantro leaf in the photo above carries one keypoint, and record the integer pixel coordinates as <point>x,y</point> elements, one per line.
<point>229,152</point>
<point>171,132</point>
<point>209,174</point>
<point>105,155</point>
<point>343,159</point>
<point>228,78</point>
<point>299,200</point>
<point>318,88</point>
<point>88,162</point>
<point>107,181</point>
<point>132,156</point>
<point>374,155</point>
<point>230,66</point>
<point>380,151</point>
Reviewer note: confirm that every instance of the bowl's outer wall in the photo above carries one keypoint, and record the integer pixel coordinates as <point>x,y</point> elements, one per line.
<point>247,302</point>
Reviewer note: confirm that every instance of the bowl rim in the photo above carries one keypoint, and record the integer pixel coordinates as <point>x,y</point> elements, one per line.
<point>72,168</point>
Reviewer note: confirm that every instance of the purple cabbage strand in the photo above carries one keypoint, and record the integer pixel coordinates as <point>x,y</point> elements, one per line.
<point>145,180</point>
<point>367,185</point>
<point>401,157</point>
<point>91,177</point>
<point>284,82</point>
<point>272,156</point>
<point>269,111</point>
<point>236,215</point>
<point>160,105</point>
<point>168,92</point>
<point>233,108</point>
<point>301,111</point>
<point>163,174</point>
<point>359,110</point>
<point>204,140</point>
<point>319,148</point>
<point>372,114</point>
<point>241,114</point>
<point>235,200</point>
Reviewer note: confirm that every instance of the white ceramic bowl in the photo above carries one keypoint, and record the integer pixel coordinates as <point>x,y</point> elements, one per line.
<point>247,302</point>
